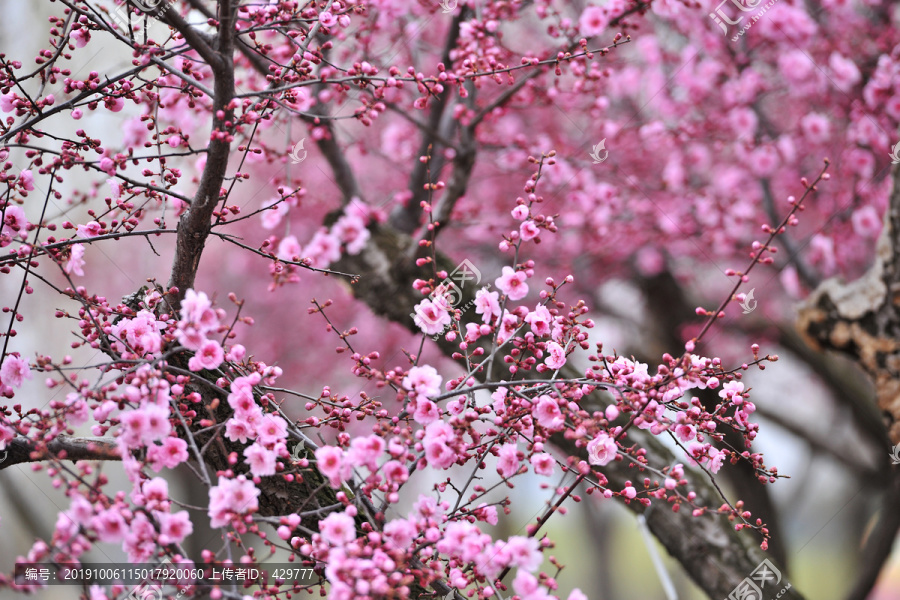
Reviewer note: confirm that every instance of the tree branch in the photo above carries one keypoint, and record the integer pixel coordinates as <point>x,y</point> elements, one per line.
<point>194,227</point>
<point>63,447</point>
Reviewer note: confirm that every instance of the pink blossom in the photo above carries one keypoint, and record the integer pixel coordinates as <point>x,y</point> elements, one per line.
<point>231,496</point>
<point>426,412</point>
<point>14,218</point>
<point>717,457</point>
<point>732,391</point>
<point>520,212</point>
<point>75,264</point>
<point>81,36</point>
<point>14,371</point>
<point>109,525</point>
<point>547,413</point>
<point>327,19</point>
<point>261,460</point>
<point>77,411</point>
<point>338,528</point>
<point>400,533</point>
<point>7,102</point>
<point>431,316</point>
<point>273,216</point>
<point>88,230</point>
<point>289,249</point>
<point>209,356</point>
<point>395,472</point>
<point>174,527</point>
<point>437,450</point>
<point>272,429</point>
<point>540,320</point>
<point>593,21</point>
<point>196,308</point>
<point>508,325</point>
<point>523,552</point>
<point>743,121</point>
<point>26,180</point>
<point>423,381</point>
<point>528,230</point>
<point>866,222</point>
<point>557,356</point>
<point>512,283</point>
<point>629,492</point>
<point>330,462</point>
<point>323,249</point>
<point>602,449</point>
<point>172,453</point>
<point>351,230</point>
<point>239,430</point>
<point>487,304</point>
<point>158,425</point>
<point>7,434</point>
<point>816,128</point>
<point>508,462</point>
<point>543,463</point>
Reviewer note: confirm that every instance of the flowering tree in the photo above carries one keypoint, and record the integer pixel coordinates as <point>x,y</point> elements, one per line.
<point>470,174</point>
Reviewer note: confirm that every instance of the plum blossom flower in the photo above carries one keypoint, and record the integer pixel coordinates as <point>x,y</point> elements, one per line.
<point>14,371</point>
<point>330,462</point>
<point>209,356</point>
<point>508,462</point>
<point>520,212</point>
<point>543,463</point>
<point>540,320</point>
<point>593,21</point>
<point>75,264</point>
<point>487,304</point>
<point>88,230</point>
<point>261,460</point>
<point>816,127</point>
<point>512,283</point>
<point>602,449</point>
<point>338,529</point>
<point>172,453</point>
<point>289,249</point>
<point>323,249</point>
<point>231,496</point>
<point>26,180</point>
<point>557,357</point>
<point>528,230</point>
<point>351,230</point>
<point>437,449</point>
<point>866,222</point>
<point>273,216</point>
<point>14,218</point>
<point>423,381</point>
<point>431,316</point>
<point>732,391</point>
<point>7,434</point>
<point>271,430</point>
<point>174,527</point>
<point>547,413</point>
